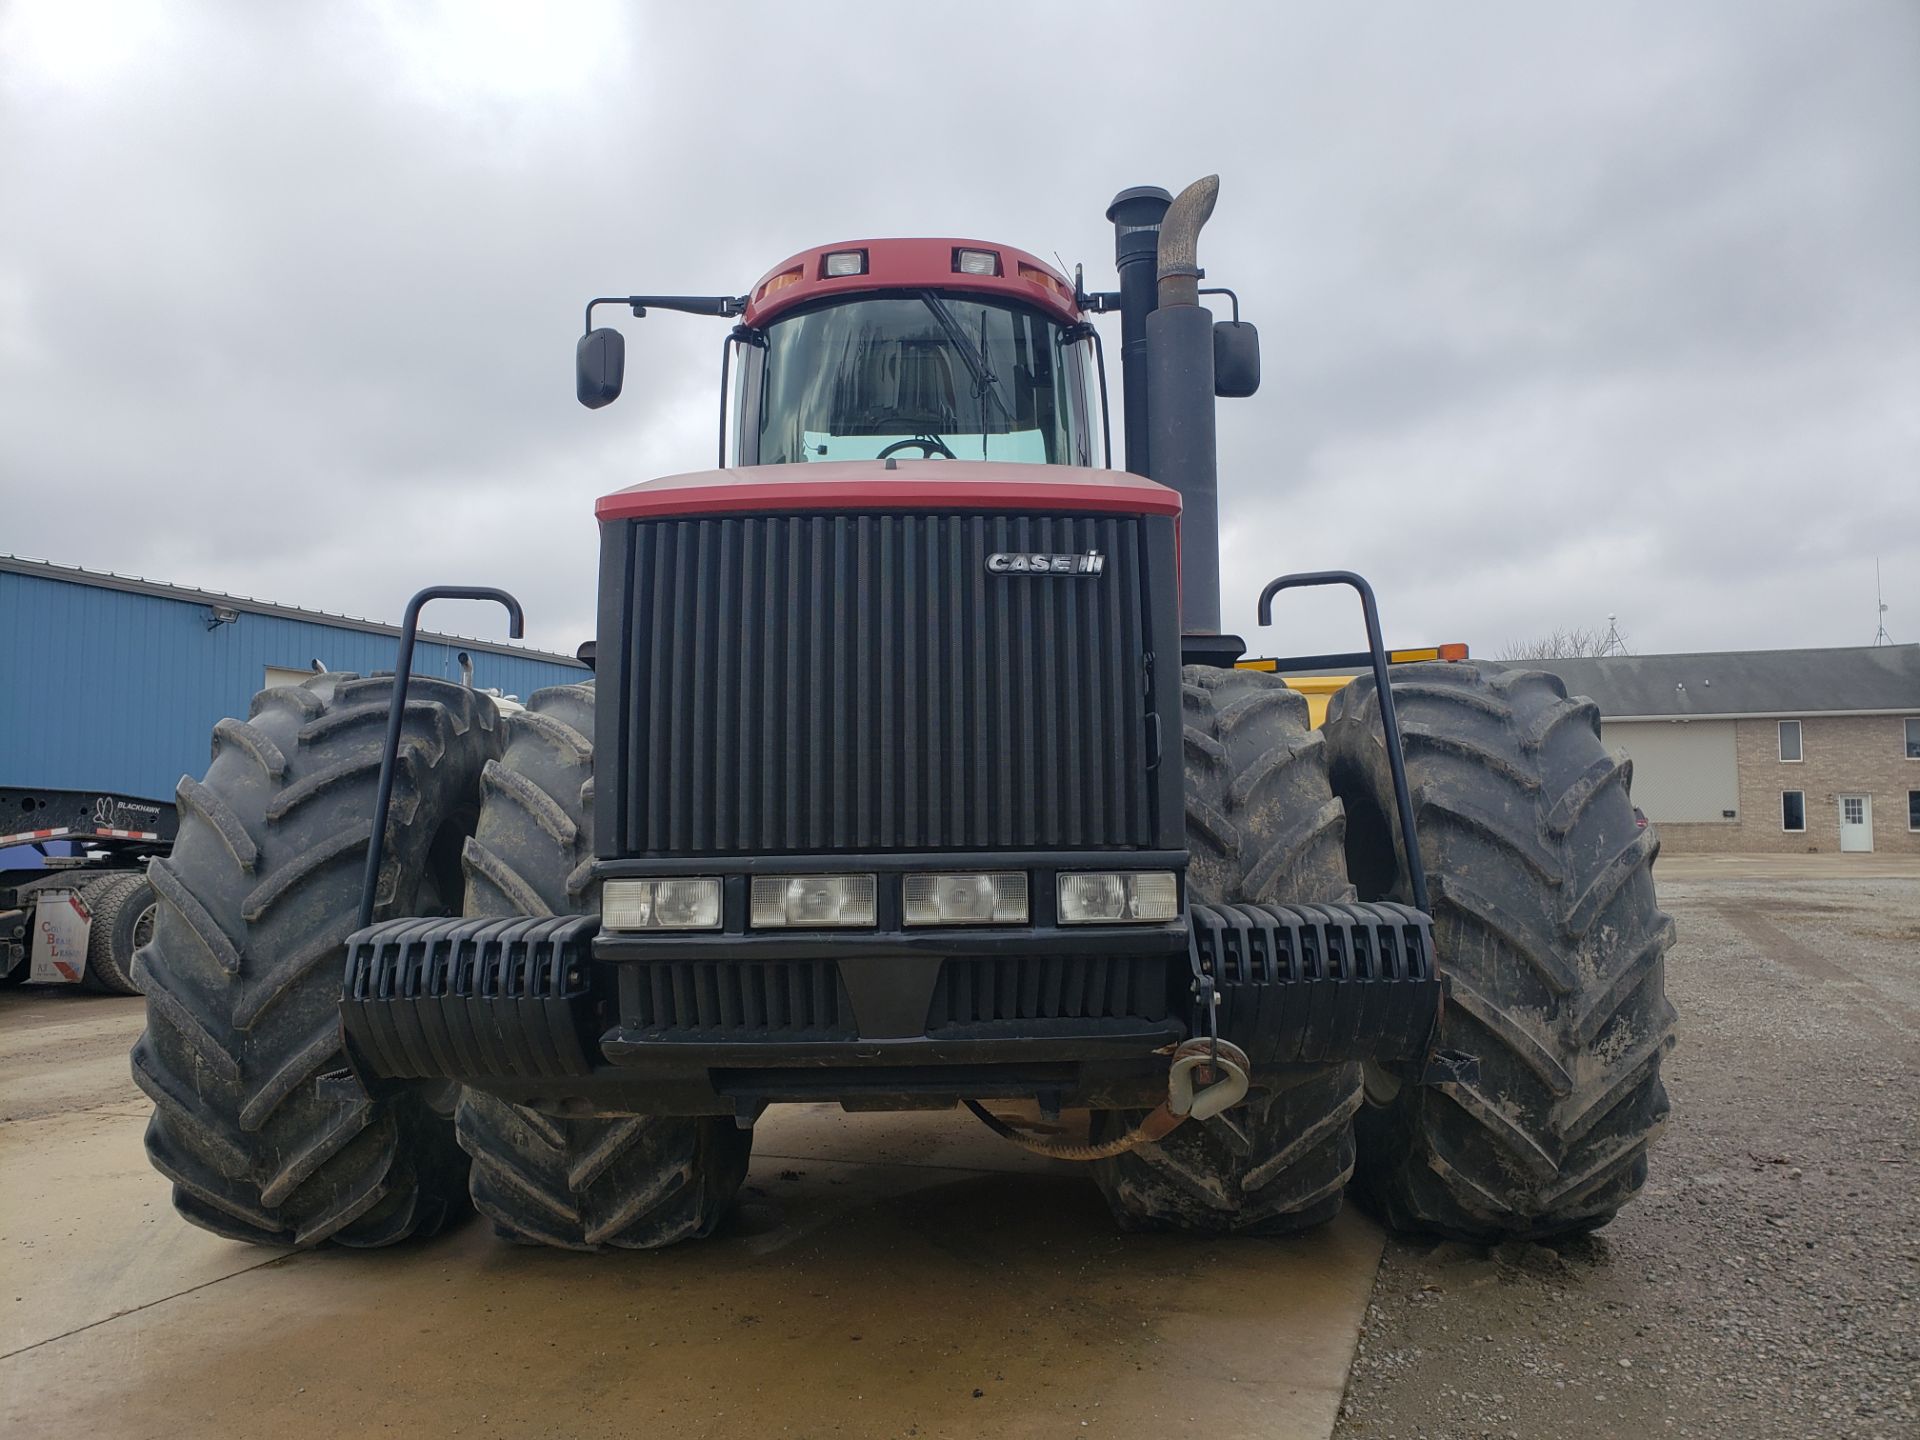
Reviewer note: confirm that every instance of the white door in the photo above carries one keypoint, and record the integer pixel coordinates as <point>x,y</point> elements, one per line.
<point>1856,822</point>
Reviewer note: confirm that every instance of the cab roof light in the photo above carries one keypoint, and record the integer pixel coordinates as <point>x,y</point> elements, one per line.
<point>1455,651</point>
<point>779,282</point>
<point>976,262</point>
<point>836,263</point>
<point>1045,281</point>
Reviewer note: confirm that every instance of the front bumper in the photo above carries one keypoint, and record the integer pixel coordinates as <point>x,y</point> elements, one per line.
<point>552,1013</point>
<point>549,1011</point>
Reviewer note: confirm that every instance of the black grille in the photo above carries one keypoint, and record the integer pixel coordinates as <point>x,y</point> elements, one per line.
<point>738,1000</point>
<point>1049,987</point>
<point>861,682</point>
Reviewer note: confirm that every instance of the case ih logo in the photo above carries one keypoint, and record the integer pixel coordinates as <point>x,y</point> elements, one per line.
<point>1002,562</point>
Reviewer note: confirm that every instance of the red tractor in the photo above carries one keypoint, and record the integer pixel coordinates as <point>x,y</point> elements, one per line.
<point>915,773</point>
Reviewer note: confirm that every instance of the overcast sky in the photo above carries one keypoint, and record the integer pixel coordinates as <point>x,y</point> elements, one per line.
<point>1566,310</point>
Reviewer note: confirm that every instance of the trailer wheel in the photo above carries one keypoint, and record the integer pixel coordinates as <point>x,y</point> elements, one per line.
<point>1262,827</point>
<point>242,976</point>
<point>623,1182</point>
<point>124,910</point>
<point>1551,942</point>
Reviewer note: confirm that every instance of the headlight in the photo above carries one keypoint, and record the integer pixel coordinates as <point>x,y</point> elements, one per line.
<point>810,901</point>
<point>995,898</point>
<point>660,904</point>
<point>1118,897</point>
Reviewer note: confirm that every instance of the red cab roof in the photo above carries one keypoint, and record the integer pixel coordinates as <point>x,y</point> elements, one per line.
<point>840,485</point>
<point>929,264</point>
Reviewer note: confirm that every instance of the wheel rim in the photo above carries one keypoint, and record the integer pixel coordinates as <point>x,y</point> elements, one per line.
<point>143,927</point>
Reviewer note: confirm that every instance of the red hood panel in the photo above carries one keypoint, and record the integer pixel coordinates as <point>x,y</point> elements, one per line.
<point>834,486</point>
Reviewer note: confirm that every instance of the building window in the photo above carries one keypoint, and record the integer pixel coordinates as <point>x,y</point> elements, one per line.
<point>1913,737</point>
<point>1913,809</point>
<point>1789,739</point>
<point>1793,810</point>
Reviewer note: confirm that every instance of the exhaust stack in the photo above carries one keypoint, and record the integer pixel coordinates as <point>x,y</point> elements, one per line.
<point>1179,403</point>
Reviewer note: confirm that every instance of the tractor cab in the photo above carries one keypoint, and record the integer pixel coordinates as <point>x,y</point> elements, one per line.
<point>907,348</point>
<point>926,375</point>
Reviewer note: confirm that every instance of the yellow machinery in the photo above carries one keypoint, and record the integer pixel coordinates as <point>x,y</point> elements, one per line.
<point>1320,689</point>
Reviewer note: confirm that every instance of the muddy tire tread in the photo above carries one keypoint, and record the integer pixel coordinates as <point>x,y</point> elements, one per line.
<point>591,1184</point>
<point>1550,936</point>
<point>1262,826</point>
<point>242,1008</point>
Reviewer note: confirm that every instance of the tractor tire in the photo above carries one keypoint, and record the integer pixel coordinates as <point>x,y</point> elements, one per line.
<point>242,976</point>
<point>124,910</point>
<point>1551,943</point>
<point>627,1182</point>
<point>1262,827</point>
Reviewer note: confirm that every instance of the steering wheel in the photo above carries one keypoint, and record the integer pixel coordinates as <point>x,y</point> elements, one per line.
<point>929,445</point>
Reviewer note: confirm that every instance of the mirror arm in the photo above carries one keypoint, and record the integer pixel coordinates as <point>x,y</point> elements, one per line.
<point>724,306</point>
<point>1222,290</point>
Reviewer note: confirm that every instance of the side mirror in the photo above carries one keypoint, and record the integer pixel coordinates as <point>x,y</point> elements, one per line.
<point>1236,359</point>
<point>600,365</point>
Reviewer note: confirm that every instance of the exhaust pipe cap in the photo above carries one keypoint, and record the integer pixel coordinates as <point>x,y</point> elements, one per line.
<point>1179,268</point>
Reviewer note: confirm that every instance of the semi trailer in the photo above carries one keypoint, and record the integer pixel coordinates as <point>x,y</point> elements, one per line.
<point>74,900</point>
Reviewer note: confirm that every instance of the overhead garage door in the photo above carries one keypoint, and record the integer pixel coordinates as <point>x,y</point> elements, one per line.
<point>1682,770</point>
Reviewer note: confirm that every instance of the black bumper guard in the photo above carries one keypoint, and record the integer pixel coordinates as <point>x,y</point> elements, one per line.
<point>1310,984</point>
<point>467,999</point>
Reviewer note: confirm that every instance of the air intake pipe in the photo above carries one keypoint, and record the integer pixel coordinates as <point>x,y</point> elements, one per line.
<point>1180,396</point>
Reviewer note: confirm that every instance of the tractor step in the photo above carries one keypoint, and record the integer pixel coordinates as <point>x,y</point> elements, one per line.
<point>1312,984</point>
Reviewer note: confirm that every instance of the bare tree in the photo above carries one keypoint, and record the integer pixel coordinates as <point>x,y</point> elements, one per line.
<point>1569,644</point>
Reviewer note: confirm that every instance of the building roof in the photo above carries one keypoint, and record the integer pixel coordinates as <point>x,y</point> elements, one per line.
<point>1853,680</point>
<point>134,584</point>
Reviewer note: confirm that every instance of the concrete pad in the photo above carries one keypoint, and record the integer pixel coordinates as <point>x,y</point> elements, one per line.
<point>84,1236</point>
<point>848,1296</point>
<point>944,1140</point>
<point>63,1050</point>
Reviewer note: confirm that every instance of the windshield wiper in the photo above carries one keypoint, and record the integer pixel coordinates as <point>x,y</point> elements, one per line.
<point>984,381</point>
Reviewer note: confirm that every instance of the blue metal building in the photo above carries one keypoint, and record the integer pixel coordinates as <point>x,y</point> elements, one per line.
<point>112,683</point>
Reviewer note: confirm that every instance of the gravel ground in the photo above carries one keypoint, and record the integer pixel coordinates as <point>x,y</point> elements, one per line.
<point>1764,1283</point>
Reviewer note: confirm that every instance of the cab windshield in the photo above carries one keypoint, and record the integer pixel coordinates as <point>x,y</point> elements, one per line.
<point>920,375</point>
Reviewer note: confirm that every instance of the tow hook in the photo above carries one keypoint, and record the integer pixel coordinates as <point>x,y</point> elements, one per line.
<point>1226,1061</point>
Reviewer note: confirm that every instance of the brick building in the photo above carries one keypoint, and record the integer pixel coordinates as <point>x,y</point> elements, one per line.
<point>1767,750</point>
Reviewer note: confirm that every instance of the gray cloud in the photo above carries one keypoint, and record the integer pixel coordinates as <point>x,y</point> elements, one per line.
<point>1565,312</point>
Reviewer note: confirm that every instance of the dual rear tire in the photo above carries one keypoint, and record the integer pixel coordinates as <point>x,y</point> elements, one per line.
<point>124,913</point>
<point>1263,826</point>
<point>242,980</point>
<point>632,1182</point>
<point>1551,941</point>
<point>1547,932</point>
<point>1545,922</point>
<point>242,975</point>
